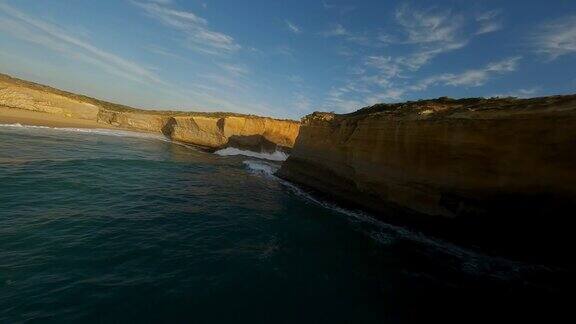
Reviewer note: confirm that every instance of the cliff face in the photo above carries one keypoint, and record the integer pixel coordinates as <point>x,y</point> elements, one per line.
<point>469,160</point>
<point>208,130</point>
<point>30,99</point>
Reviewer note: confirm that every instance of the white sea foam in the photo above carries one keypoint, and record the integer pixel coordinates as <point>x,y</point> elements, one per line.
<point>97,131</point>
<point>470,261</point>
<point>261,167</point>
<point>274,156</point>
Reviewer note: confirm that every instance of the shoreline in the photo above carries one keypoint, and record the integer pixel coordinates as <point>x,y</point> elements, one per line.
<point>34,118</point>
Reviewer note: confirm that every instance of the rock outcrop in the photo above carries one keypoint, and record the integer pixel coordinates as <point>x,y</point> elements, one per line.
<point>207,130</point>
<point>495,166</point>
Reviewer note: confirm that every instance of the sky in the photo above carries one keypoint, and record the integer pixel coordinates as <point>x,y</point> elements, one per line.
<point>289,58</point>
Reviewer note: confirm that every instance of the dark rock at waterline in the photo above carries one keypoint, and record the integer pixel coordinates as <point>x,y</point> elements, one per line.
<point>495,172</point>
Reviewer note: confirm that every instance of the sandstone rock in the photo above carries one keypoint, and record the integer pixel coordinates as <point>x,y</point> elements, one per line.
<point>485,164</point>
<point>207,130</point>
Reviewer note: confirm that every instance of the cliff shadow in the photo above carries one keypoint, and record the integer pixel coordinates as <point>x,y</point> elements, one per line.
<point>256,143</point>
<point>168,128</point>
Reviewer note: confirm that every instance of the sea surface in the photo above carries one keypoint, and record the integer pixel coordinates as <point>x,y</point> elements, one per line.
<point>101,226</point>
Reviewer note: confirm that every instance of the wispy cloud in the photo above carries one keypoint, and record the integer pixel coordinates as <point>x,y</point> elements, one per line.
<point>429,26</point>
<point>302,103</point>
<point>520,93</point>
<point>284,50</point>
<point>422,34</point>
<point>293,27</point>
<point>489,22</point>
<point>235,69</point>
<point>368,90</point>
<point>396,66</point>
<point>212,93</point>
<point>198,35</point>
<point>162,51</point>
<point>342,9</point>
<point>48,35</point>
<point>428,32</point>
<point>432,32</point>
<point>556,38</point>
<point>336,30</point>
<point>470,78</point>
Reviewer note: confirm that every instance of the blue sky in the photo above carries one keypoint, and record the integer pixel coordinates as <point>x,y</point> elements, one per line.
<point>289,58</point>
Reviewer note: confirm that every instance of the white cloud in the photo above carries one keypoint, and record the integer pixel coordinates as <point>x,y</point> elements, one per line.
<point>198,35</point>
<point>35,30</point>
<point>430,33</point>
<point>342,9</point>
<point>557,38</point>
<point>390,68</point>
<point>343,105</point>
<point>428,26</point>
<point>336,30</point>
<point>371,89</point>
<point>520,93</point>
<point>433,32</point>
<point>212,93</point>
<point>507,65</point>
<point>229,82</point>
<point>386,65</point>
<point>393,94</point>
<point>296,79</point>
<point>293,27</point>
<point>163,51</point>
<point>421,35</point>
<point>489,27</point>
<point>235,69</point>
<point>424,55</point>
<point>469,78</point>
<point>302,103</point>
<point>284,50</point>
<point>489,22</point>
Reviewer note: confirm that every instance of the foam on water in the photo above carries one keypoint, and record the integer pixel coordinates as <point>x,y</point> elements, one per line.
<point>274,156</point>
<point>97,131</point>
<point>261,167</point>
<point>178,234</point>
<point>472,262</point>
<point>384,233</point>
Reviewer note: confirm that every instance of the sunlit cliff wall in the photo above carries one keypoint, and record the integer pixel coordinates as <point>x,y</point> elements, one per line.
<point>208,130</point>
<point>488,163</point>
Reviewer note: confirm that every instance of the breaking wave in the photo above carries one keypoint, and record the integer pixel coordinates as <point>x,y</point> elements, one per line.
<point>261,167</point>
<point>274,156</point>
<point>97,131</point>
<point>471,261</point>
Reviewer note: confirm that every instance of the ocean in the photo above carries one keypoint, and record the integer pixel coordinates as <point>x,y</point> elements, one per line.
<point>104,226</point>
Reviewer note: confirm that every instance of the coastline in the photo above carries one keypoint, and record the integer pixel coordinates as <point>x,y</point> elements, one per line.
<point>466,166</point>
<point>471,170</point>
<point>37,105</point>
<point>34,118</point>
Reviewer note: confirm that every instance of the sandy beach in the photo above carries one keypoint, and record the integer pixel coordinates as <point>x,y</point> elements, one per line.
<point>27,117</point>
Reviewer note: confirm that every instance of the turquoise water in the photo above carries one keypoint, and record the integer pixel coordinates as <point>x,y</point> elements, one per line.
<point>104,226</point>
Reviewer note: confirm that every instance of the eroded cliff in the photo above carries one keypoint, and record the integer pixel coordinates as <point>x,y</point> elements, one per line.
<point>482,163</point>
<point>207,130</point>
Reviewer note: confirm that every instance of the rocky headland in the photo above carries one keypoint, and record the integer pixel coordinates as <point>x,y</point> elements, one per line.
<point>493,172</point>
<point>211,131</point>
<point>497,171</point>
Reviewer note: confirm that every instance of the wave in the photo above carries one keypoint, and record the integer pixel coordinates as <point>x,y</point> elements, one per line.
<point>261,167</point>
<point>97,131</point>
<point>471,261</point>
<point>274,156</point>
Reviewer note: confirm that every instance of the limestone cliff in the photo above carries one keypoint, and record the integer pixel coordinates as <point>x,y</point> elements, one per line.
<point>479,162</point>
<point>208,130</point>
